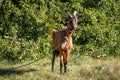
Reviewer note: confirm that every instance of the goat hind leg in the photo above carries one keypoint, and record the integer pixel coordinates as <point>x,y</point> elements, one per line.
<point>65,63</point>
<point>53,59</point>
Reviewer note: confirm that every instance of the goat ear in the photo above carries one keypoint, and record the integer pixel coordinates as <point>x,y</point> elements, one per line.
<point>80,16</point>
<point>69,14</point>
<point>66,19</point>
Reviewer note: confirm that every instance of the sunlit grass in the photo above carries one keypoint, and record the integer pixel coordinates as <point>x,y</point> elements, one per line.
<point>83,68</point>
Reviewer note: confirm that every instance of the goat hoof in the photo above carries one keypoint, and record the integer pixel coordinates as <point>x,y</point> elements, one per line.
<point>61,73</point>
<point>52,70</point>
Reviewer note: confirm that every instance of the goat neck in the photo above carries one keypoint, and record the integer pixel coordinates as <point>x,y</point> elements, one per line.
<point>69,32</point>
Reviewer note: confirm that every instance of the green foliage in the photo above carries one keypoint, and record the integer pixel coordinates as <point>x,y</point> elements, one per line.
<point>26,27</point>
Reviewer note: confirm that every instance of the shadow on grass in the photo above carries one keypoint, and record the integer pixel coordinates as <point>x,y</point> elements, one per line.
<point>10,71</point>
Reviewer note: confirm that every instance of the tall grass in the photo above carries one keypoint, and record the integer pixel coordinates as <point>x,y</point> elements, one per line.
<point>83,68</point>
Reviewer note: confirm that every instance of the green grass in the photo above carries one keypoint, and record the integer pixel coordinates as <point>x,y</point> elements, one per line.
<point>79,68</point>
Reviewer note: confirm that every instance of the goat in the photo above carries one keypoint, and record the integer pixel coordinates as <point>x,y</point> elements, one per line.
<point>62,41</point>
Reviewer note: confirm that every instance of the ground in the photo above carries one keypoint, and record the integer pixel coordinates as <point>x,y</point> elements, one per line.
<point>79,68</point>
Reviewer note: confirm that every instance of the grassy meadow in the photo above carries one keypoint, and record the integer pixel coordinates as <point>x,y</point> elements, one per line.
<point>26,28</point>
<point>79,68</point>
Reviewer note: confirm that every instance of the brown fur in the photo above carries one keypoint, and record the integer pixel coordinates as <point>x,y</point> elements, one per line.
<point>62,43</point>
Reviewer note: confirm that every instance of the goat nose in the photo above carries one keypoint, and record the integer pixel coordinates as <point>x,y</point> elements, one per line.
<point>74,27</point>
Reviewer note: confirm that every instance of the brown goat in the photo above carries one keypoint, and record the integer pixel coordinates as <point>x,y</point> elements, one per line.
<point>62,42</point>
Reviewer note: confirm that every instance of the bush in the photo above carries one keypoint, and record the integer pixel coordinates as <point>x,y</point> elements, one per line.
<point>26,27</point>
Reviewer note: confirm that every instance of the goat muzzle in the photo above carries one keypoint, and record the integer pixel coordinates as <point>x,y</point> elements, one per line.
<point>73,28</point>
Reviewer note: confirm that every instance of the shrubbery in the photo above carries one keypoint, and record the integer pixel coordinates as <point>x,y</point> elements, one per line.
<point>26,27</point>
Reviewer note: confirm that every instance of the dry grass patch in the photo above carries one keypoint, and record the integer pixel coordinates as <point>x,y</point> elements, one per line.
<point>84,68</point>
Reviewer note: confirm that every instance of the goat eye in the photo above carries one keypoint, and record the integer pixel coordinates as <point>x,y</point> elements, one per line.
<point>71,23</point>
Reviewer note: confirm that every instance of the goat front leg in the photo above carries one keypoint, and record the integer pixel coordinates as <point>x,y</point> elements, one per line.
<point>65,62</point>
<point>65,58</point>
<point>61,63</point>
